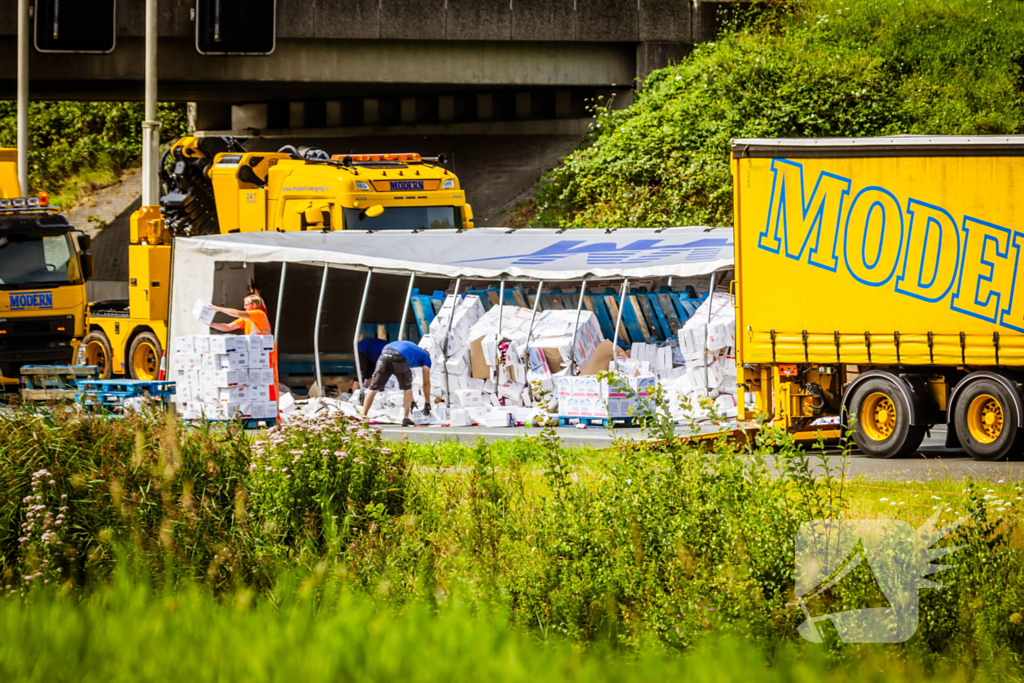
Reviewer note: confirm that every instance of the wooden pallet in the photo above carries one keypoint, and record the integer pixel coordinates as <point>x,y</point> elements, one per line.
<point>54,382</point>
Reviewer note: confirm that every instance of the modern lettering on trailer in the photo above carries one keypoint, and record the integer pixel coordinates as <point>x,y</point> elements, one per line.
<point>917,248</point>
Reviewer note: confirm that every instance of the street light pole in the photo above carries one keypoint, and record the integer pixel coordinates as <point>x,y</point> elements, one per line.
<point>23,29</point>
<point>150,126</point>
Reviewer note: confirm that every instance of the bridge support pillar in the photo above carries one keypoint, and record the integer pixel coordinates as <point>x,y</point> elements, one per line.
<point>657,54</point>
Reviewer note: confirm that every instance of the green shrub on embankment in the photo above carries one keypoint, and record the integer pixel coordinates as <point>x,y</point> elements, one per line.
<point>76,147</point>
<point>639,549</point>
<point>809,68</point>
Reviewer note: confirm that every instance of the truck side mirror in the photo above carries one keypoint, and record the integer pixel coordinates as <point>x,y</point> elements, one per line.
<point>84,243</point>
<point>371,212</point>
<point>87,266</point>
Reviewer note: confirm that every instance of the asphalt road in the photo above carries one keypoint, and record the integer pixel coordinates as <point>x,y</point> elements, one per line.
<point>932,461</point>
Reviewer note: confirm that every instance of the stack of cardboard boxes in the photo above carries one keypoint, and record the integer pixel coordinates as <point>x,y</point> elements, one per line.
<point>490,370</point>
<point>585,397</point>
<point>223,377</point>
<point>710,375</point>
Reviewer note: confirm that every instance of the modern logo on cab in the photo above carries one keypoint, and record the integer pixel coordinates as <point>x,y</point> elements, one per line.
<point>25,300</point>
<point>917,248</point>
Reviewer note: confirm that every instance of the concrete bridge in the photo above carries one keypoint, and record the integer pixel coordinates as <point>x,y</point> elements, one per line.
<point>341,63</point>
<point>502,86</point>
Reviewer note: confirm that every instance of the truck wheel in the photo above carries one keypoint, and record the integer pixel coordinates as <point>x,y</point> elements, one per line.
<point>882,428</point>
<point>95,350</point>
<point>986,422</point>
<point>144,357</point>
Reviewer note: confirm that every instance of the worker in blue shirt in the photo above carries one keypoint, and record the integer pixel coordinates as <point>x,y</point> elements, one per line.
<point>397,359</point>
<point>369,351</point>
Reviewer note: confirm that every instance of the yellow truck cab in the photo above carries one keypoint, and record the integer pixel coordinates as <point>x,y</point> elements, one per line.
<point>306,189</point>
<point>43,312</point>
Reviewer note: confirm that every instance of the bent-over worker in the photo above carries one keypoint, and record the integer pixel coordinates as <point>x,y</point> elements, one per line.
<point>369,351</point>
<point>397,359</point>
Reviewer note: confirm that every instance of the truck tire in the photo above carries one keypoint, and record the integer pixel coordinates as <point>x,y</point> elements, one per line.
<point>986,422</point>
<point>95,350</point>
<point>881,418</point>
<point>144,357</point>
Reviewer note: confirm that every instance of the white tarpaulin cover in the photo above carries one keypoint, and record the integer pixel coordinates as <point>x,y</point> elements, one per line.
<point>484,253</point>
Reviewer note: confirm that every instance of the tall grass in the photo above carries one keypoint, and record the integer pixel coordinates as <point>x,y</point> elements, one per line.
<point>317,630</point>
<point>665,546</point>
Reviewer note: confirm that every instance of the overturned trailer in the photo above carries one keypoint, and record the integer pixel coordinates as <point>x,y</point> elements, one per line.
<point>323,290</point>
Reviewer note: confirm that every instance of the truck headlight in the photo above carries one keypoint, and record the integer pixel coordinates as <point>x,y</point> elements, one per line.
<point>360,185</point>
<point>448,184</point>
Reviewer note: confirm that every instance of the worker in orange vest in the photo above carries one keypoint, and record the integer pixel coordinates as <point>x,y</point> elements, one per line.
<point>253,320</point>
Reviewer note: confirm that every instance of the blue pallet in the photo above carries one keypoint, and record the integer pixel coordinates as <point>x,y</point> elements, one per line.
<point>112,393</point>
<point>601,422</point>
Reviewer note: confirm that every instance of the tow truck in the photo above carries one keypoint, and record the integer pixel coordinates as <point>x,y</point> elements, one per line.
<point>214,185</point>
<point>43,270</point>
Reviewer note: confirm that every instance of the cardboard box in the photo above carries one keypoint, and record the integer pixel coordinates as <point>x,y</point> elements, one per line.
<point>203,312</point>
<point>222,378</point>
<point>185,345</point>
<point>234,394</point>
<point>460,418</point>
<point>467,398</point>
<point>643,386</point>
<point>227,343</point>
<point>586,387</point>
<point>260,360</point>
<point>511,390</point>
<point>259,376</point>
<point>601,357</point>
<point>202,342</point>
<point>499,417</point>
<point>235,360</point>
<point>563,387</point>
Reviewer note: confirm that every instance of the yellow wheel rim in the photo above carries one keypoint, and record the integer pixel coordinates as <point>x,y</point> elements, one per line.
<point>985,418</point>
<point>144,361</point>
<point>878,416</point>
<point>96,355</point>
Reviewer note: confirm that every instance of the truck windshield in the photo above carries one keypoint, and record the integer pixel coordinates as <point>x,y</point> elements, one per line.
<point>27,261</point>
<point>406,218</point>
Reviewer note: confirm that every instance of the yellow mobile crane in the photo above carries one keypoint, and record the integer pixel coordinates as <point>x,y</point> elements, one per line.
<point>213,185</point>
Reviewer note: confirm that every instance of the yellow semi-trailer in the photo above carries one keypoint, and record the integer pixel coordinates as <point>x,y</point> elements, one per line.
<point>881,279</point>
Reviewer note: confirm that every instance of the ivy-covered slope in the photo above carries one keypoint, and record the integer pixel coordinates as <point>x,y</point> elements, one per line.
<point>812,68</point>
<point>74,146</point>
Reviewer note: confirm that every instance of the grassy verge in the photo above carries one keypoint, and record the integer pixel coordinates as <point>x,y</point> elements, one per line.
<point>316,630</point>
<point>635,550</point>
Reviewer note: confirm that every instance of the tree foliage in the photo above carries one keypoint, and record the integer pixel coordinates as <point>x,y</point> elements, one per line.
<point>69,139</point>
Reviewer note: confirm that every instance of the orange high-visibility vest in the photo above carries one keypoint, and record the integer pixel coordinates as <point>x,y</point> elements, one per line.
<point>256,323</point>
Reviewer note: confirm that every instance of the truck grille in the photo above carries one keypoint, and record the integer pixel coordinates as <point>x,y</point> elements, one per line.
<point>61,326</point>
